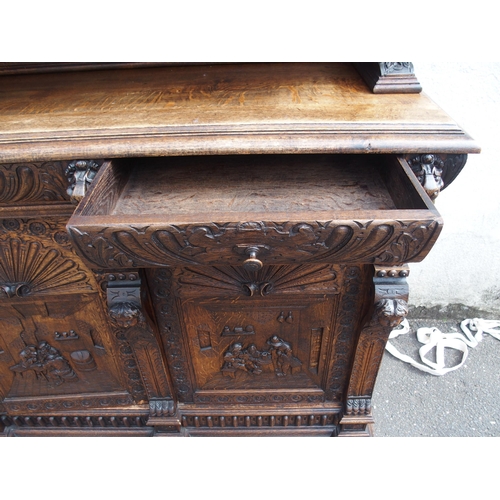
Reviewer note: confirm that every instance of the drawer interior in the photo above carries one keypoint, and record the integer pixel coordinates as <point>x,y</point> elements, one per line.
<point>197,188</point>
<point>252,184</point>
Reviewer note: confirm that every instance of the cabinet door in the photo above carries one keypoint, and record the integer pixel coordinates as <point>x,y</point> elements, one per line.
<point>57,351</point>
<point>56,355</point>
<point>235,336</point>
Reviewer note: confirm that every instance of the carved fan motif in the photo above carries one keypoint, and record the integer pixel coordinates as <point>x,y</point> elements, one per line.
<point>269,279</point>
<point>28,268</point>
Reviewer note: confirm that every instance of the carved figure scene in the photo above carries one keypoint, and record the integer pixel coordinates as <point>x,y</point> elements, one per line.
<point>278,356</point>
<point>283,359</point>
<point>45,362</point>
<point>58,347</point>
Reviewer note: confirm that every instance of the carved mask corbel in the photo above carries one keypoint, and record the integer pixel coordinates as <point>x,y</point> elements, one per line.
<point>390,312</point>
<point>124,299</point>
<point>126,314</point>
<point>80,174</point>
<point>429,171</point>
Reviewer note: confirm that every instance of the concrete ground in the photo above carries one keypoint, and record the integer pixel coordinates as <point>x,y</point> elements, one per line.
<point>408,402</point>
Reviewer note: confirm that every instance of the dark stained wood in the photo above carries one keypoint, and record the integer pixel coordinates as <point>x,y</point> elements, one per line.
<point>16,68</point>
<point>389,77</point>
<point>215,280</point>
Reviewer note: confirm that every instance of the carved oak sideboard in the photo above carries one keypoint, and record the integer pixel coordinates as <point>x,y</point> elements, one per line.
<point>210,250</point>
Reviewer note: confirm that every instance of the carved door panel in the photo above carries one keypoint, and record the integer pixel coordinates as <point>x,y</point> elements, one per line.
<point>254,345</point>
<point>57,352</point>
<point>57,355</point>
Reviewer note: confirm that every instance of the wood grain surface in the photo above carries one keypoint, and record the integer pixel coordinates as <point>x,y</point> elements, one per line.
<point>228,184</point>
<point>291,208</point>
<point>215,109</point>
<point>214,279</point>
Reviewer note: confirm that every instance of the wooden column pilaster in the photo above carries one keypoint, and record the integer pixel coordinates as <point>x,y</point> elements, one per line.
<point>390,308</point>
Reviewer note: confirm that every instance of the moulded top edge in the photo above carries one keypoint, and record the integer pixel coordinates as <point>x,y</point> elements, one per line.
<point>260,103</point>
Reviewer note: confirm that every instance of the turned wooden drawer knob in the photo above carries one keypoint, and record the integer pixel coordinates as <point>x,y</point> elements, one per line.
<point>252,263</point>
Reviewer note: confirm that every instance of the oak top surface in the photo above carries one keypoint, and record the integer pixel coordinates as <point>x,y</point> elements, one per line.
<point>215,109</point>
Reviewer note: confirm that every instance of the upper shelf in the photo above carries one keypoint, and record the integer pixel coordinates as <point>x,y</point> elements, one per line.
<point>216,109</point>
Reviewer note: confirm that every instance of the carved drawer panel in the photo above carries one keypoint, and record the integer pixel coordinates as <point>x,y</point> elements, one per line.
<point>254,210</point>
<point>45,184</point>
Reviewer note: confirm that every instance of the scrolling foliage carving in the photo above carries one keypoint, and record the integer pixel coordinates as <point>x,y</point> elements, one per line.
<point>356,241</point>
<point>31,183</point>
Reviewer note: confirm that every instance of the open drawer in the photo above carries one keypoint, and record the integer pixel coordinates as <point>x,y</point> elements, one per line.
<point>254,210</point>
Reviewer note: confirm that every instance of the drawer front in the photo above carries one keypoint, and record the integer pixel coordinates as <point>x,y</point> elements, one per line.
<point>325,211</point>
<point>160,245</point>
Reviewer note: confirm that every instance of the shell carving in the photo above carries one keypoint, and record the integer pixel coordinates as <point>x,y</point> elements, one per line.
<point>28,268</point>
<point>237,280</point>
